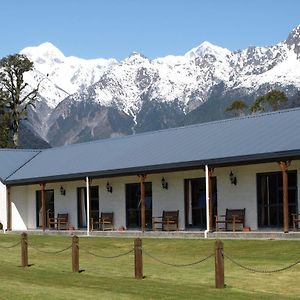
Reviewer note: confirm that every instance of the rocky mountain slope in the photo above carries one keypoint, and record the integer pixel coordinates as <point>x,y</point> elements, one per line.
<point>82,100</point>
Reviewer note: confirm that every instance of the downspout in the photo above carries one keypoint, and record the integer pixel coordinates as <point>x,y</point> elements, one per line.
<point>87,206</point>
<point>207,201</point>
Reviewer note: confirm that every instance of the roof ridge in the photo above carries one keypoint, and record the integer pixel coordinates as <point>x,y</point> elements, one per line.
<point>21,166</point>
<point>19,150</point>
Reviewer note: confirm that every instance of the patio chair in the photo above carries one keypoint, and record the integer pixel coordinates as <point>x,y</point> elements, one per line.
<point>296,221</point>
<point>106,221</point>
<point>232,219</point>
<point>168,220</point>
<point>52,221</point>
<point>62,221</point>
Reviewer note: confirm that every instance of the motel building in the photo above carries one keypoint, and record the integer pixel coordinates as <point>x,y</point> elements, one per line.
<point>248,166</point>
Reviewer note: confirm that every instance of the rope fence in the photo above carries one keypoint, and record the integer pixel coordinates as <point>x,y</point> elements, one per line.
<point>138,251</point>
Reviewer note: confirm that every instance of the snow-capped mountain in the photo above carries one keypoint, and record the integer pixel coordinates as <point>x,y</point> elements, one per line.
<point>89,99</point>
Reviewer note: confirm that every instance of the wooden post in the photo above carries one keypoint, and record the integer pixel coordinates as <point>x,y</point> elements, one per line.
<point>43,185</point>
<point>24,250</point>
<point>8,205</point>
<point>210,173</point>
<point>219,265</point>
<point>142,201</point>
<point>284,165</point>
<point>138,259</point>
<point>75,254</point>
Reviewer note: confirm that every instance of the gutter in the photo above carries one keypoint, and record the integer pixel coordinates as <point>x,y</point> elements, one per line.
<point>207,202</point>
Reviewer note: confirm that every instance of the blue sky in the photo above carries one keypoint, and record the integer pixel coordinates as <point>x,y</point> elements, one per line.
<point>156,28</point>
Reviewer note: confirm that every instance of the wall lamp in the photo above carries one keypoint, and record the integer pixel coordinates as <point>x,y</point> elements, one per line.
<point>108,187</point>
<point>62,191</point>
<point>232,178</point>
<point>164,184</point>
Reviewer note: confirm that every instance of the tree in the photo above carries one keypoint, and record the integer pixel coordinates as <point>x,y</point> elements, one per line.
<point>272,100</point>
<point>15,95</point>
<point>4,124</point>
<point>238,107</point>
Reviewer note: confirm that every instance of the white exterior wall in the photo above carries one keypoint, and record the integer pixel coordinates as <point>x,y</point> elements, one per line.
<point>242,195</point>
<point>3,209</point>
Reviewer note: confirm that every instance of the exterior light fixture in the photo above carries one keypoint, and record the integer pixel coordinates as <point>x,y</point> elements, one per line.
<point>62,191</point>
<point>164,184</point>
<point>232,178</point>
<point>108,187</point>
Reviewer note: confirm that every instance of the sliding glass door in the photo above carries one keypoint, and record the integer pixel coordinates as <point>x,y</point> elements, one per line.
<point>82,205</point>
<point>270,195</point>
<point>49,203</point>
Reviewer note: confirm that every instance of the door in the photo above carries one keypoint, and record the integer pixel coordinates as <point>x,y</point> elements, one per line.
<point>270,198</point>
<point>133,205</point>
<point>82,205</point>
<point>195,202</point>
<point>49,203</point>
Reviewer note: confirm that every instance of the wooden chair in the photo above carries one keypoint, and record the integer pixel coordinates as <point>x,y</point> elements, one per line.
<point>169,219</point>
<point>296,221</point>
<point>58,223</point>
<point>106,221</point>
<point>62,221</point>
<point>94,223</point>
<point>233,217</point>
<point>52,221</point>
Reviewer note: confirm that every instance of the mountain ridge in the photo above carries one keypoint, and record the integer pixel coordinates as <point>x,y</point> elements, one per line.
<point>138,94</point>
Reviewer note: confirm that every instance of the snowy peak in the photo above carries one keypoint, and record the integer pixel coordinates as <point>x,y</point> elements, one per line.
<point>136,58</point>
<point>293,41</point>
<point>294,37</point>
<point>65,75</point>
<point>43,53</point>
<point>206,48</point>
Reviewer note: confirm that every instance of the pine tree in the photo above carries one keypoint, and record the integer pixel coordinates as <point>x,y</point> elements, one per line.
<point>238,107</point>
<point>272,100</point>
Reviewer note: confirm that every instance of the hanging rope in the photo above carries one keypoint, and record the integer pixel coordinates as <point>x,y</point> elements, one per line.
<point>50,252</point>
<point>113,256</point>
<point>178,265</point>
<point>9,247</point>
<point>258,270</point>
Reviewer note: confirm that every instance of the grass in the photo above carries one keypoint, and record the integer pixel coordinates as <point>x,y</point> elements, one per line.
<point>50,276</point>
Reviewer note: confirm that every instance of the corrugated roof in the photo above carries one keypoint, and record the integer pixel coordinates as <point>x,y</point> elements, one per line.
<point>12,159</point>
<point>262,136</point>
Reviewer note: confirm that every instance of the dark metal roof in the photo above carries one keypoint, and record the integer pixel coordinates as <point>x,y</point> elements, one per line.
<point>261,137</point>
<point>12,159</point>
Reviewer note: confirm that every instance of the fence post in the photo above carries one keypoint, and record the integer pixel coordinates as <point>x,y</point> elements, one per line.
<point>138,259</point>
<point>75,254</point>
<point>24,250</point>
<point>219,265</point>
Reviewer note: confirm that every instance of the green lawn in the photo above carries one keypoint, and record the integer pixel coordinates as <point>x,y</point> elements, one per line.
<point>50,276</point>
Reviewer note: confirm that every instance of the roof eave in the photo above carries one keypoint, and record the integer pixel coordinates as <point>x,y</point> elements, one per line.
<point>170,167</point>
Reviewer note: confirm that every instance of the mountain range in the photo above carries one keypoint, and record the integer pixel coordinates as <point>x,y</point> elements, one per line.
<point>82,100</point>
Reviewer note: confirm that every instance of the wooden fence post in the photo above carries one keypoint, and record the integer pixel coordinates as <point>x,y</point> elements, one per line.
<point>24,250</point>
<point>138,259</point>
<point>219,265</point>
<point>75,254</point>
